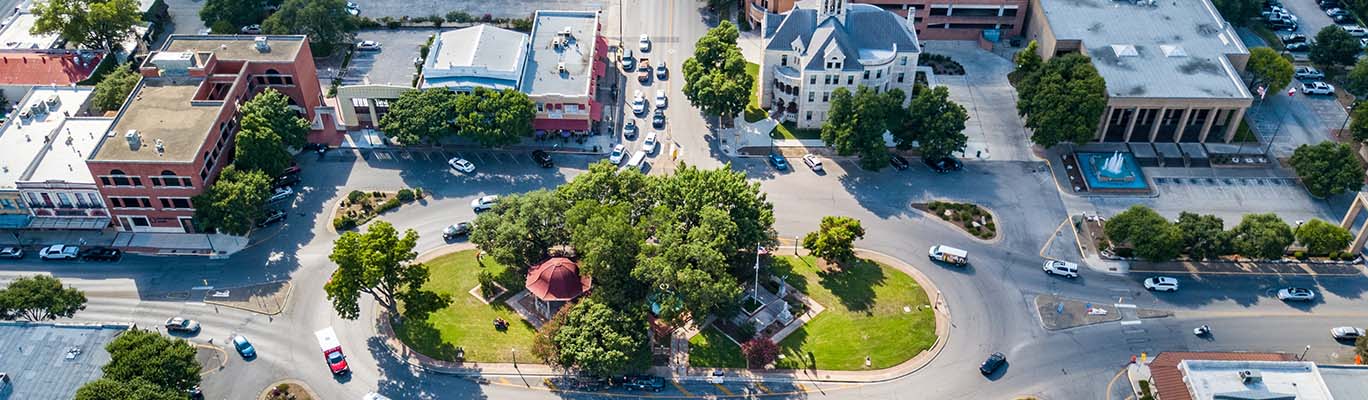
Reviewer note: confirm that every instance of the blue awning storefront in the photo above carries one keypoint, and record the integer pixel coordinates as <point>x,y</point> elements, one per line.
<point>14,221</point>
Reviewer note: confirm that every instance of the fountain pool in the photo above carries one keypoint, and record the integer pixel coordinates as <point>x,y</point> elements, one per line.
<point>1111,171</point>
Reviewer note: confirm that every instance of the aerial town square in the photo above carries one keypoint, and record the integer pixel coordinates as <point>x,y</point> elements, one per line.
<point>677,199</point>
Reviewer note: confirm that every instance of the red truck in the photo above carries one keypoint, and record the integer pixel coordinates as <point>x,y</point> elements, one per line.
<point>332,351</point>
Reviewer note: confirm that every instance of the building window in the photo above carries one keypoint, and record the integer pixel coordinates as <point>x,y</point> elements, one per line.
<point>809,115</point>
<point>813,80</point>
<point>900,77</point>
<point>170,179</point>
<point>866,75</point>
<point>902,61</point>
<point>1009,12</point>
<point>7,204</point>
<point>826,79</point>
<point>175,203</point>
<point>360,103</point>
<point>826,96</point>
<point>783,60</point>
<point>850,79</point>
<point>940,11</point>
<point>118,178</point>
<point>878,74</point>
<point>812,96</point>
<point>130,202</point>
<point>64,200</point>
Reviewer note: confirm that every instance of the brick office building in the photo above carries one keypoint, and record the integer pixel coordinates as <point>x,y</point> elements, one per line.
<point>175,132</point>
<point>934,20</point>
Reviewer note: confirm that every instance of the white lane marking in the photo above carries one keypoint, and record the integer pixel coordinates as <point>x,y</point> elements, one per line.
<point>1136,322</point>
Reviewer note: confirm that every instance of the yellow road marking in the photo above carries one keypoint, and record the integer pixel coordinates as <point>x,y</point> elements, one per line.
<point>504,381</point>
<point>549,384</point>
<point>762,388</point>
<point>723,389</point>
<point>801,387</point>
<point>681,388</point>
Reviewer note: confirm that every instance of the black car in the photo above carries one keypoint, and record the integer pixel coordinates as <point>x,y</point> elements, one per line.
<point>1302,46</point>
<point>1293,38</point>
<point>542,158</point>
<point>897,161</point>
<point>287,180</point>
<point>1342,18</point>
<point>100,253</point>
<point>1281,25</point>
<point>993,362</point>
<point>271,217</point>
<point>644,383</point>
<point>658,119</point>
<point>459,229</point>
<point>943,164</point>
<point>1326,4</point>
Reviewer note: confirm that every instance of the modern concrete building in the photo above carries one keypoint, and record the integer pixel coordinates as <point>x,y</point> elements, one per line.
<point>1172,68</point>
<point>566,58</point>
<point>175,132</point>
<point>811,52</point>
<point>50,361</point>
<point>934,20</point>
<point>42,159</point>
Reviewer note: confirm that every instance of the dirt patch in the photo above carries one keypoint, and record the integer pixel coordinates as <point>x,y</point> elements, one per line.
<point>266,298</point>
<point>287,391</point>
<point>970,218</point>
<point>1060,313</point>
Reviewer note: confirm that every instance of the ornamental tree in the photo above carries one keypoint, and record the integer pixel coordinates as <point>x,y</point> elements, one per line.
<point>759,351</point>
<point>420,116</point>
<point>1322,237</point>
<point>1333,47</point>
<point>834,241</point>
<point>234,202</point>
<point>100,24</point>
<point>1262,236</point>
<point>380,263</point>
<point>1328,168</point>
<point>40,298</point>
<point>1269,68</point>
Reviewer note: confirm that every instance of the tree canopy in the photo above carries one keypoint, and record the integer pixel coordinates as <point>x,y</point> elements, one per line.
<point>100,24</point>
<point>521,229</point>
<point>114,88</point>
<point>1153,237</point>
<point>834,240</point>
<point>687,262</point>
<point>607,244</point>
<point>1328,168</point>
<point>1359,127</point>
<point>40,298</point>
<point>326,22</point>
<point>136,389</point>
<point>1322,237</point>
<point>1334,46</point>
<point>935,122</point>
<point>1238,12</point>
<point>1204,236</point>
<point>1062,101</point>
<point>856,123</point>
<point>594,339</point>
<point>1262,236</point>
<point>237,13</point>
<point>494,118</point>
<point>234,202</point>
<point>380,263</point>
<point>1269,68</point>
<point>270,110</point>
<point>420,116</point>
<point>1357,81</point>
<point>1027,60</point>
<point>149,356</point>
<point>715,78</point>
<point>260,150</point>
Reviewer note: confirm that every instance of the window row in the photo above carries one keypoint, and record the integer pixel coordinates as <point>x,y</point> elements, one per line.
<point>167,203</point>
<point>64,200</point>
<point>166,179</point>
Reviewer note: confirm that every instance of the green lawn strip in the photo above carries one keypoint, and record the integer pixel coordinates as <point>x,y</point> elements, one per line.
<point>790,130</point>
<point>864,317</point>
<point>467,322</point>
<point>753,111</point>
<point>711,349</point>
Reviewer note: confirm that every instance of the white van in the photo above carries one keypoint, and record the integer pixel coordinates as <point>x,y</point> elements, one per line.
<point>948,254</point>
<point>1062,268</point>
<point>637,161</point>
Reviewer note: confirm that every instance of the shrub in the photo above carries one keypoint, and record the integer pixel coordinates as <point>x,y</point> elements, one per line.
<point>437,20</point>
<point>356,196</point>
<point>522,25</point>
<point>377,194</point>
<point>405,195</point>
<point>487,287</point>
<point>366,23</point>
<point>344,223</point>
<point>1125,252</point>
<point>418,20</point>
<point>418,192</point>
<point>1300,255</point>
<point>991,227</point>
<point>745,331</point>
<point>459,16</point>
<point>759,351</point>
<point>390,204</point>
<point>391,23</point>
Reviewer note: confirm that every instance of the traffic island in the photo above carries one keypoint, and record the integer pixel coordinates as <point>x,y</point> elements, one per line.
<point>360,207</point>
<point>266,298</point>
<point>1062,313</point>
<point>288,390</point>
<point>970,218</point>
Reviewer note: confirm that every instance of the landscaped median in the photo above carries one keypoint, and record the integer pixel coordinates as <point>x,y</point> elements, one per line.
<point>360,207</point>
<point>871,310</point>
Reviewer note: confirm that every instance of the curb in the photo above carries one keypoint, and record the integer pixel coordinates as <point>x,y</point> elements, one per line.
<point>289,290</point>
<point>997,237</point>
<point>221,352</point>
<point>296,382</point>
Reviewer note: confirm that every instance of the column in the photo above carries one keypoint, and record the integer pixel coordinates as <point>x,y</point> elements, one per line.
<point>1130,126</point>
<point>1102,126</point>
<point>370,108</point>
<point>1158,121</point>
<point>1182,124</point>
<point>1234,126</point>
<point>1206,127</point>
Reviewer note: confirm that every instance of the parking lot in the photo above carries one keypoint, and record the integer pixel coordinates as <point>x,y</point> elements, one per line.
<point>393,63</point>
<point>1227,197</point>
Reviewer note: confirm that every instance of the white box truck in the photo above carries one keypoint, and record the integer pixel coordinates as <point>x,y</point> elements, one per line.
<point>332,350</point>
<point>948,254</point>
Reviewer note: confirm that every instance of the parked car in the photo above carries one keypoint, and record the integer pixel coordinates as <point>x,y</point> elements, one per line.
<point>484,203</point>
<point>1062,268</point>
<point>1282,25</point>
<point>662,72</point>
<point>59,252</point>
<point>812,162</point>
<point>292,170</point>
<point>616,156</point>
<point>644,76</point>
<point>1343,18</point>
<point>658,119</point>
<point>1328,4</point>
<point>250,29</point>
<point>280,193</point>
<point>542,158</point>
<point>660,99</point>
<point>644,383</point>
<point>1293,38</point>
<point>353,9</point>
<point>1346,333</point>
<point>11,252</point>
<point>629,129</point>
<point>461,164</point>
<point>180,324</point>
<point>243,347</point>
<point>1296,294</point>
<point>1355,30</point>
<point>779,162</point>
<point>287,180</point>
<point>638,103</point>
<point>1308,73</point>
<point>101,253</point>
<point>1317,87</point>
<point>645,43</point>
<point>992,364</point>
<point>272,216</point>
<point>368,45</point>
<point>458,229</point>
<point>1161,284</point>
<point>1336,11</point>
<point>649,143</point>
<point>628,60</point>
<point>897,161</point>
<point>1298,47</point>
<point>943,164</point>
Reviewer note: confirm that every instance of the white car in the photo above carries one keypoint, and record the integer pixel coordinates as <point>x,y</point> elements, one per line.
<point>649,144</point>
<point>1062,268</point>
<point>629,129</point>
<point>252,29</point>
<point>1309,73</point>
<point>1346,333</point>
<point>460,164</point>
<point>1296,294</point>
<point>812,162</point>
<point>616,156</point>
<point>59,252</point>
<point>660,99</point>
<point>353,9</point>
<point>1162,284</point>
<point>1355,30</point>
<point>281,193</point>
<point>368,45</point>
<point>11,252</point>
<point>1317,87</point>
<point>484,203</point>
<point>645,43</point>
<point>638,103</point>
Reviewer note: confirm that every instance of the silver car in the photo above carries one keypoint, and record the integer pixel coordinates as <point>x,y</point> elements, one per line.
<point>1346,333</point>
<point>1296,294</point>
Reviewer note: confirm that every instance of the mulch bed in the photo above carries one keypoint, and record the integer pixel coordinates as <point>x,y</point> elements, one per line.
<point>971,218</point>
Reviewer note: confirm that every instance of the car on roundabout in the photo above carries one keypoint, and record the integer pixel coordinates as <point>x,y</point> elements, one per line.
<point>1161,284</point>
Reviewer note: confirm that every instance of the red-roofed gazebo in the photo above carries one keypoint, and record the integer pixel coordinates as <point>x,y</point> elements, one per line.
<point>555,282</point>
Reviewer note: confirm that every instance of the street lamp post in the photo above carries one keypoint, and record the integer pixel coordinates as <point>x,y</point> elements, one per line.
<point>1348,112</point>
<point>515,357</point>
<point>1303,355</point>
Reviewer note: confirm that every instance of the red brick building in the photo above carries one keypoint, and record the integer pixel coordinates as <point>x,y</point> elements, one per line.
<point>175,132</point>
<point>935,20</point>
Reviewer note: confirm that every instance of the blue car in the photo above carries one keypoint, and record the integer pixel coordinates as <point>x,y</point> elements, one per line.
<point>243,346</point>
<point>779,162</point>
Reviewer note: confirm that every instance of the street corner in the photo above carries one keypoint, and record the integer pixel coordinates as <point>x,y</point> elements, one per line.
<point>267,298</point>
<point>211,358</point>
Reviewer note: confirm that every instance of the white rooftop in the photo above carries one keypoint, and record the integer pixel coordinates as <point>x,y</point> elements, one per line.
<point>561,41</point>
<point>1207,379</point>
<point>65,160</point>
<point>1154,49</point>
<point>481,55</point>
<point>15,33</point>
<point>23,140</point>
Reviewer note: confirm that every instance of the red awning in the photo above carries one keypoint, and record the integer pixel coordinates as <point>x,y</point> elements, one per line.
<point>547,124</point>
<point>595,110</point>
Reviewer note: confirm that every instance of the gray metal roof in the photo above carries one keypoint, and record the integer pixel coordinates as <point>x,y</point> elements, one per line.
<point>1346,381</point>
<point>482,47</point>
<point>868,33</point>
<point>541,75</point>
<point>1170,49</point>
<point>41,364</point>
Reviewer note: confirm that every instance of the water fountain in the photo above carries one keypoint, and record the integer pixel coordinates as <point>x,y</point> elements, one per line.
<point>1115,171</point>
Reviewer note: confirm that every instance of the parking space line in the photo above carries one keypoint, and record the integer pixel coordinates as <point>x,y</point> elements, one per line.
<point>801,387</point>
<point>762,387</point>
<point>723,389</point>
<point>681,388</point>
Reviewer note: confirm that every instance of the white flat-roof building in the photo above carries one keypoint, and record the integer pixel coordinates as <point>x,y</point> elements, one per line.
<point>15,33</point>
<point>42,159</point>
<point>1253,380</point>
<point>478,56</point>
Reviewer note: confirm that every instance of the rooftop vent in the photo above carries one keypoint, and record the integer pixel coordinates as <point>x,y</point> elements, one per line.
<point>134,139</point>
<point>1172,50</point>
<point>261,45</point>
<point>1250,376</point>
<point>1125,50</point>
<point>160,149</point>
<point>560,68</point>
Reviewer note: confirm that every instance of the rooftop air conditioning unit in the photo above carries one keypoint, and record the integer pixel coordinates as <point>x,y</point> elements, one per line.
<point>160,149</point>
<point>262,45</point>
<point>560,68</point>
<point>133,138</point>
<point>1250,376</point>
